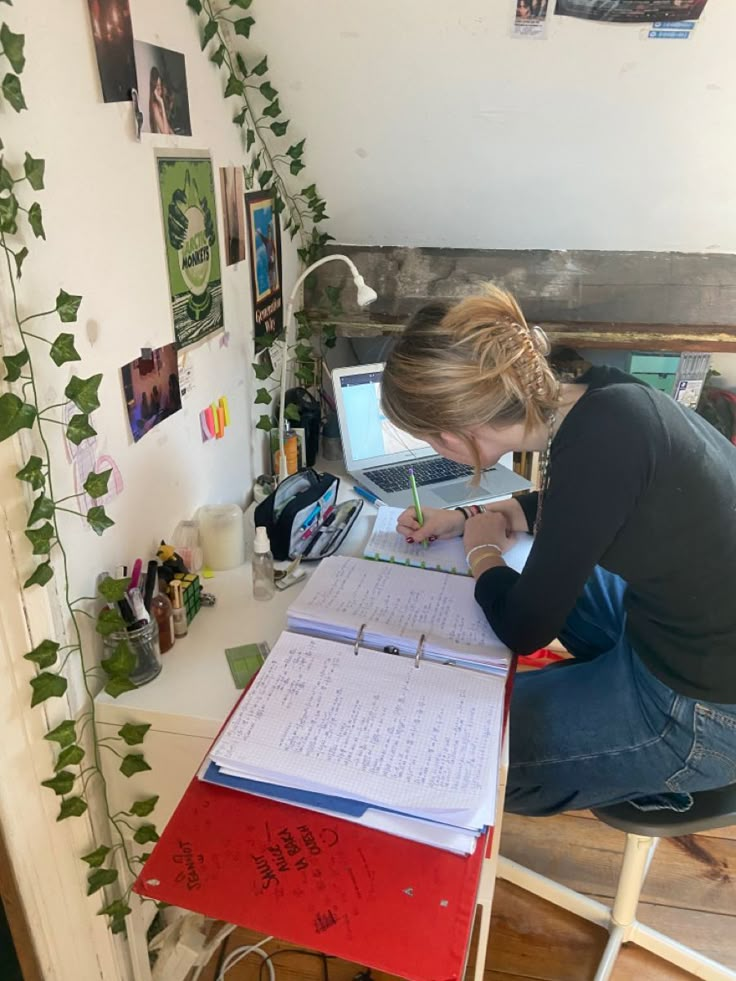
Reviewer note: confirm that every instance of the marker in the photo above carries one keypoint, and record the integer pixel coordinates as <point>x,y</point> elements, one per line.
<point>417,505</point>
<point>368,495</point>
<point>151,576</point>
<point>135,574</point>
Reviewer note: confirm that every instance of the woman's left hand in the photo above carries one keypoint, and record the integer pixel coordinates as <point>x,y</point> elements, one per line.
<point>491,528</point>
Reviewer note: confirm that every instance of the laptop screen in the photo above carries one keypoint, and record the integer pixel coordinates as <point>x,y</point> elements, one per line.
<point>370,433</point>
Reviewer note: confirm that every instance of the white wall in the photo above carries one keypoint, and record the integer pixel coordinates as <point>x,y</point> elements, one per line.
<point>105,241</point>
<point>429,125</point>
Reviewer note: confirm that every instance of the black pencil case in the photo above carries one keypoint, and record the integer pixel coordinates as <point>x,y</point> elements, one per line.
<point>300,512</point>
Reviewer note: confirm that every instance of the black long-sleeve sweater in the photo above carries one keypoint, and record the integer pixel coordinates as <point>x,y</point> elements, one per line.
<point>647,490</point>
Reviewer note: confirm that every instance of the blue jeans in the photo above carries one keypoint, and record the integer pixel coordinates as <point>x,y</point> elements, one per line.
<point>602,729</point>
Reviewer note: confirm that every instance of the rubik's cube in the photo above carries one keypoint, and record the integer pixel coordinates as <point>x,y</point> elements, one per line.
<point>191,593</point>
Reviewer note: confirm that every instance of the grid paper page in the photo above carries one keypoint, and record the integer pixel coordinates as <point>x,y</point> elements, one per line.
<point>397,603</point>
<point>371,727</point>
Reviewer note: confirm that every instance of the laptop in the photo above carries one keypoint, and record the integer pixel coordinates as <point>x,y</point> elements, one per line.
<point>378,454</point>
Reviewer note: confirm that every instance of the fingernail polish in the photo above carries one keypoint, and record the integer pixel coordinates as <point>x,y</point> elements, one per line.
<point>410,541</point>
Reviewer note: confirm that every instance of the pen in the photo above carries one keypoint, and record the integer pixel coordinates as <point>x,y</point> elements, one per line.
<point>135,574</point>
<point>417,505</point>
<point>151,576</point>
<point>368,495</point>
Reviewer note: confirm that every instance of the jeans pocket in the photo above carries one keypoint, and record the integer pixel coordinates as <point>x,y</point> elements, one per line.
<point>711,761</point>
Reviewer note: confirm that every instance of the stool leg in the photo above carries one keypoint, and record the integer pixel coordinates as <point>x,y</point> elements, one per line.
<point>634,867</point>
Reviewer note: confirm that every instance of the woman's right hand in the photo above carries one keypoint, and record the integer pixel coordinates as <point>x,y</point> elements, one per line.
<point>438,523</point>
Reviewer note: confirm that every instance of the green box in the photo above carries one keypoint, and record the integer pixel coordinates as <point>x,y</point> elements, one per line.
<point>656,369</point>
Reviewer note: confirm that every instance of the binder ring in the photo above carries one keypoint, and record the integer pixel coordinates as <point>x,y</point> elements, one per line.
<point>420,651</point>
<point>358,639</point>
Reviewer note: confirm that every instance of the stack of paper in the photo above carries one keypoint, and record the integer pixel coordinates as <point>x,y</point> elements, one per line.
<point>369,737</point>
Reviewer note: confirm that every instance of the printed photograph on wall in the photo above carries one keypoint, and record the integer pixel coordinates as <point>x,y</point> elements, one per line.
<point>264,250</point>
<point>233,214</point>
<point>530,18</point>
<point>162,90</point>
<point>631,11</point>
<point>151,389</point>
<point>192,251</point>
<point>113,37</point>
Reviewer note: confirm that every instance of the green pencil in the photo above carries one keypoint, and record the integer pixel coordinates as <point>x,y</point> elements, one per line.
<point>417,505</point>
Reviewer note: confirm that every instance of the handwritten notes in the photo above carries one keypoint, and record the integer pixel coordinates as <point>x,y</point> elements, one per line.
<point>370,727</point>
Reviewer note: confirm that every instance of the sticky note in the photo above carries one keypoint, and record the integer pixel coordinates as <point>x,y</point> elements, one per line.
<point>245,661</point>
<point>225,408</point>
<point>220,422</point>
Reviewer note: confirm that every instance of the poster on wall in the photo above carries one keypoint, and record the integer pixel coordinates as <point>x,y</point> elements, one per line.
<point>113,37</point>
<point>631,11</point>
<point>264,250</point>
<point>151,389</point>
<point>192,251</point>
<point>163,97</point>
<point>530,19</point>
<point>233,214</point>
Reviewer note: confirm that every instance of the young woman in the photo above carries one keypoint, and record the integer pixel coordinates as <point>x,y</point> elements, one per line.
<point>633,564</point>
<point>158,118</point>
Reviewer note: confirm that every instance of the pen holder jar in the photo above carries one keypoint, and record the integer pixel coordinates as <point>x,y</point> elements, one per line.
<point>143,652</point>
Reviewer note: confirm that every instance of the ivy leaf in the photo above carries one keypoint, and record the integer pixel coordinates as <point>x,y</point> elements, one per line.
<point>14,415</point>
<point>291,412</point>
<point>234,87</point>
<point>47,685</point>
<point>13,48</point>
<point>63,350</point>
<point>13,365</point>
<point>40,538</point>
<point>43,507</point>
<point>195,5</point>
<point>239,117</point>
<point>279,129</point>
<point>295,166</point>
<point>113,589</point>
<point>146,833</point>
<point>61,784</point>
<point>44,655</point>
<point>262,397</point>
<point>118,686</point>
<point>243,4</point>
<point>210,29</point>
<point>96,483</point>
<point>250,138</point>
<point>13,92</point>
<point>97,857</point>
<point>71,807</point>
<point>98,520</point>
<point>295,151</point>
<point>19,257</point>
<point>66,306</point>
<point>261,371</point>
<point>133,735</point>
<point>64,734</point>
<point>273,110</point>
<point>6,178</point>
<point>261,68</point>
<point>243,25</point>
<point>83,392</point>
<point>133,763</point>
<point>142,808</point>
<point>109,621</point>
<point>35,220</point>
<point>218,57</point>
<point>32,473</point>
<point>121,662</point>
<point>78,429</point>
<point>8,214</point>
<point>268,92</point>
<point>329,335</point>
<point>69,757</point>
<point>116,909</point>
<point>117,924</point>
<point>265,177</point>
<point>34,169</point>
<point>42,574</point>
<point>99,878</point>
<point>264,423</point>
<point>240,62</point>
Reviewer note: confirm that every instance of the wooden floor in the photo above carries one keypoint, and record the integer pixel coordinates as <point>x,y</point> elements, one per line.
<point>690,894</point>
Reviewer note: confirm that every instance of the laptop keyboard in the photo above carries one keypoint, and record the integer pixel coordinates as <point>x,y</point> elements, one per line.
<point>433,471</point>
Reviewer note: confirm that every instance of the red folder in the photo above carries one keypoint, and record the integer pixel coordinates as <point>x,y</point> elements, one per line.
<point>318,882</point>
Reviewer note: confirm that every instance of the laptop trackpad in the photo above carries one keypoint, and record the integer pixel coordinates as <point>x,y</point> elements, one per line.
<point>456,493</point>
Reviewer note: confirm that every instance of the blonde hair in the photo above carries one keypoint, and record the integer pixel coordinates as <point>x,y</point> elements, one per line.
<point>477,362</point>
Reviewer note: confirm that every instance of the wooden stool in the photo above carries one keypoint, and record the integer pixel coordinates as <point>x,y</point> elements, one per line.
<point>711,809</point>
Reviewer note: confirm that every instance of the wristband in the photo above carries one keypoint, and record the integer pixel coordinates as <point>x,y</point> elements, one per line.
<point>476,548</point>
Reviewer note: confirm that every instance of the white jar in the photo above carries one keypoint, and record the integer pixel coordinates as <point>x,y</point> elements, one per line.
<point>222,535</point>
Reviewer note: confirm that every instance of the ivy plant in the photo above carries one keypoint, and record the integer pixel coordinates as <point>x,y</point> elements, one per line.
<point>275,162</point>
<point>31,337</point>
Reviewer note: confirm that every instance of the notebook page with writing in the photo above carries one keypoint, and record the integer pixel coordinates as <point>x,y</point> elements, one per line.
<point>387,545</point>
<point>370,727</point>
<point>398,604</point>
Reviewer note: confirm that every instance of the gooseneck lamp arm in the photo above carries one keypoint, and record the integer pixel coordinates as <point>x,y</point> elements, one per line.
<point>366,295</point>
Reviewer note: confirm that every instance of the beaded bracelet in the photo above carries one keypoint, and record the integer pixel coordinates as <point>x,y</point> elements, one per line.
<point>476,548</point>
<point>471,510</point>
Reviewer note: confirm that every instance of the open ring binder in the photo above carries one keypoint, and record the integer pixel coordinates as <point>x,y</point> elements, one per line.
<point>390,650</point>
<point>356,645</point>
<point>420,650</point>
